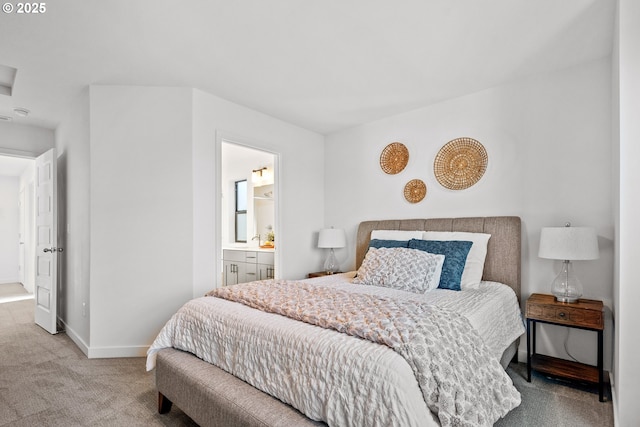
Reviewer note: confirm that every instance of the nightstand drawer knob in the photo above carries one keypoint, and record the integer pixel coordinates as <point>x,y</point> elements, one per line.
<point>561,314</point>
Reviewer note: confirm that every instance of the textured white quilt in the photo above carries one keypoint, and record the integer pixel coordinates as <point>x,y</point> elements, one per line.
<point>329,376</point>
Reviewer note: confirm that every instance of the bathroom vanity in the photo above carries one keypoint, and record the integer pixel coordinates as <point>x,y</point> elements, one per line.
<point>242,265</point>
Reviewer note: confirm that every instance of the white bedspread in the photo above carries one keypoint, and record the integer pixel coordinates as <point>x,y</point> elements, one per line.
<point>329,376</point>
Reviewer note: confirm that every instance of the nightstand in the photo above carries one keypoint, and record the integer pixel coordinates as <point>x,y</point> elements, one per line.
<point>584,314</point>
<point>320,274</point>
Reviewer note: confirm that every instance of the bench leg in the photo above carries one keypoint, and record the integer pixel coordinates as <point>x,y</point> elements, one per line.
<point>164,404</point>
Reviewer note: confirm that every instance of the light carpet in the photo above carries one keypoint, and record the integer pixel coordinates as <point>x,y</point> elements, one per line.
<point>10,292</point>
<point>45,380</point>
<point>551,402</point>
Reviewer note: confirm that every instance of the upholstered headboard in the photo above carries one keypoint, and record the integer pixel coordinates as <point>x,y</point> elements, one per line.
<point>503,251</point>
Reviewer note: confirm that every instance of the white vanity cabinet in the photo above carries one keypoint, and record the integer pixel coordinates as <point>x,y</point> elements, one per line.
<point>241,266</point>
<point>266,268</point>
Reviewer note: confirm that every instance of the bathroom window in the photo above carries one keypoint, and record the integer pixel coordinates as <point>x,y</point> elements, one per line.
<point>241,211</point>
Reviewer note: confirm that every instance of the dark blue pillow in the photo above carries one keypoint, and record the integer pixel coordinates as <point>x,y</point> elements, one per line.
<point>455,256</point>
<point>377,243</point>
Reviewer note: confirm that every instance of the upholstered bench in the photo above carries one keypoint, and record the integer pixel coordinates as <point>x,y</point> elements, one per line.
<point>213,397</point>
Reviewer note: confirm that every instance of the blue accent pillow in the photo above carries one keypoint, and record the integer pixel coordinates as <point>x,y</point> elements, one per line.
<point>377,243</point>
<point>455,256</point>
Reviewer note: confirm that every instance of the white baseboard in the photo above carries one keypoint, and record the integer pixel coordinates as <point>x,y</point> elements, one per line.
<point>613,399</point>
<point>104,352</point>
<point>112,352</point>
<point>6,281</point>
<point>76,338</point>
<point>522,355</point>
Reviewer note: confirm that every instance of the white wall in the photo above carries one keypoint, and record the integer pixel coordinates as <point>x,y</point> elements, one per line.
<point>9,228</point>
<point>627,96</point>
<point>139,168</point>
<point>299,206</point>
<point>72,147</point>
<point>141,213</point>
<point>549,144</point>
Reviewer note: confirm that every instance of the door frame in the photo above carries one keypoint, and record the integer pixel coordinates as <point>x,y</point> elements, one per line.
<point>224,137</point>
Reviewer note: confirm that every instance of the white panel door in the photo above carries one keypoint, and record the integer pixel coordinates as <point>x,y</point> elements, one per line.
<point>46,242</point>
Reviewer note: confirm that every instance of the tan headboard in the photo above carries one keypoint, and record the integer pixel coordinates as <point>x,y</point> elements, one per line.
<point>503,252</point>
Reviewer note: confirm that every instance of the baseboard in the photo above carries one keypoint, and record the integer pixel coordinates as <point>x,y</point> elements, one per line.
<point>104,352</point>
<point>522,356</point>
<point>75,338</point>
<point>6,281</point>
<point>614,402</point>
<point>114,352</point>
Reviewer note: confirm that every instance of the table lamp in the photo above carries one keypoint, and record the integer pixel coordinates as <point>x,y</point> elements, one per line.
<point>331,238</point>
<point>568,244</point>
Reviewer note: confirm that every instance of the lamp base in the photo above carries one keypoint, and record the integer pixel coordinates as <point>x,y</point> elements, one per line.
<point>564,298</point>
<point>331,264</point>
<point>566,287</point>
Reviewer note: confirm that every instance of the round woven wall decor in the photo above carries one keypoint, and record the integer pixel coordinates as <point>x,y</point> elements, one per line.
<point>415,190</point>
<point>394,158</point>
<point>460,163</point>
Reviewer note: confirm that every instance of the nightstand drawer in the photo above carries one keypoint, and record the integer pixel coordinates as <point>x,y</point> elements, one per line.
<point>588,318</point>
<point>576,314</point>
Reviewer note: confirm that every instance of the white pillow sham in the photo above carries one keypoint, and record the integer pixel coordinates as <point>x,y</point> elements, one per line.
<point>474,266</point>
<point>401,268</point>
<point>396,234</point>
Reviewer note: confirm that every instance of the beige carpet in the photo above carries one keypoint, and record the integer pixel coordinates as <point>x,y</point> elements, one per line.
<point>10,292</point>
<point>11,289</point>
<point>46,381</point>
<point>549,402</point>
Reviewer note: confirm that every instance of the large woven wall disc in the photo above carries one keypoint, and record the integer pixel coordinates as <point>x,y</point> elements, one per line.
<point>394,158</point>
<point>415,190</point>
<point>460,163</point>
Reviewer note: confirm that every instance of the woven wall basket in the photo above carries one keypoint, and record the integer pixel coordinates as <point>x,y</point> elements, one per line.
<point>460,163</point>
<point>394,158</point>
<point>415,190</point>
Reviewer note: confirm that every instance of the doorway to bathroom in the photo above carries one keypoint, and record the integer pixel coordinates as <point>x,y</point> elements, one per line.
<point>249,226</point>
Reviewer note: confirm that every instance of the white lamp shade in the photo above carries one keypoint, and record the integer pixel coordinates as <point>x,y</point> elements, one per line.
<point>569,243</point>
<point>332,238</point>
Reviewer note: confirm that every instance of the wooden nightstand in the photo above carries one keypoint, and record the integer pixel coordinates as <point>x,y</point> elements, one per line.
<point>320,274</point>
<point>584,314</point>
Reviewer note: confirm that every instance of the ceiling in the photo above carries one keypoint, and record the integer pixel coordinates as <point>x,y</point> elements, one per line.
<point>240,158</point>
<point>323,65</point>
<point>13,166</point>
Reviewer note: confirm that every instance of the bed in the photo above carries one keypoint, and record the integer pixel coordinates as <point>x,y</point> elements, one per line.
<point>212,396</point>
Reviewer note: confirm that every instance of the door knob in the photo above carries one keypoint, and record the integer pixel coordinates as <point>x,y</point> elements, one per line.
<point>52,250</point>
